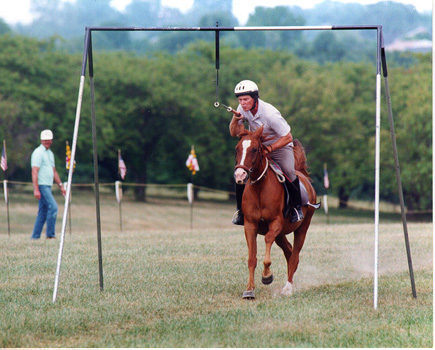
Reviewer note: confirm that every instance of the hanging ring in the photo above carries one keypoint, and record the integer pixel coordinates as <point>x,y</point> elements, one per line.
<point>216,104</point>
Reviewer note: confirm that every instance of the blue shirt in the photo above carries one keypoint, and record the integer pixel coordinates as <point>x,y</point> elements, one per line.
<point>43,159</point>
<point>274,124</point>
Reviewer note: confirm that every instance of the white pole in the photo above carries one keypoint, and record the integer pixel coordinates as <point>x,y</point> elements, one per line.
<point>377,176</point>
<point>283,28</point>
<point>118,193</point>
<point>68,188</point>
<point>190,199</point>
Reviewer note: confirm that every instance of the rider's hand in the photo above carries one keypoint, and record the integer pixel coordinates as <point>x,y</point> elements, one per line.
<point>269,149</point>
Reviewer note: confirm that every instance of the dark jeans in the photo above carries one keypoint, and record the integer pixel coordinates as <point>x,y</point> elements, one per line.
<point>47,212</point>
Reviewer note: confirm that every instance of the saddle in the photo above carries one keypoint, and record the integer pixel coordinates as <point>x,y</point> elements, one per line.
<point>287,201</point>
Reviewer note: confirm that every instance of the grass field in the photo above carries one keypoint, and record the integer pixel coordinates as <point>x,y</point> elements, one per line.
<point>166,285</point>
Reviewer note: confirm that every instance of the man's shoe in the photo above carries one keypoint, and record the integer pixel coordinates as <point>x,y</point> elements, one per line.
<point>238,218</point>
<point>53,237</point>
<point>297,214</point>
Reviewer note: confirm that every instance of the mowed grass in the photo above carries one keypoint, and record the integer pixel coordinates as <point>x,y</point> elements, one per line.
<point>166,285</point>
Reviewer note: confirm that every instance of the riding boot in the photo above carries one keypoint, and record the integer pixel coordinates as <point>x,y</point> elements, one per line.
<point>238,215</point>
<point>295,195</point>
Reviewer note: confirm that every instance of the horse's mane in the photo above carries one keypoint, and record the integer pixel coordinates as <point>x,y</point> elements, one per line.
<point>244,132</point>
<point>300,159</point>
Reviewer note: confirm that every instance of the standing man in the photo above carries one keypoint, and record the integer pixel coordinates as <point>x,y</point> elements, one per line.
<point>258,113</point>
<point>43,174</point>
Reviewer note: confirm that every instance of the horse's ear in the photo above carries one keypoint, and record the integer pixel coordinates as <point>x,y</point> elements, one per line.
<point>258,132</point>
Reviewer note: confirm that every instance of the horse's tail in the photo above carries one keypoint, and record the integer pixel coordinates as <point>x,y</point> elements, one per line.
<point>300,158</point>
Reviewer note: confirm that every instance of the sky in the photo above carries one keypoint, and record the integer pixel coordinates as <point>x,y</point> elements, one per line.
<point>18,11</point>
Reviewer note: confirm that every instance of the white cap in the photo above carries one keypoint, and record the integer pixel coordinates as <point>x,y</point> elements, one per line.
<point>46,135</point>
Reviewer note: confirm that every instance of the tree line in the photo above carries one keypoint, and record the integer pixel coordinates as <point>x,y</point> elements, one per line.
<point>154,108</point>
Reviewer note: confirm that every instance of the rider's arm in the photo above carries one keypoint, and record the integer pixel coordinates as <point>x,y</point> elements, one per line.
<point>235,127</point>
<point>281,142</point>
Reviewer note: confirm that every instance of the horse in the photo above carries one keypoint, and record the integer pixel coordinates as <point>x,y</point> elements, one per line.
<point>263,206</point>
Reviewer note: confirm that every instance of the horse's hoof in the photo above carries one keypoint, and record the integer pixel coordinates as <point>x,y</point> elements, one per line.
<point>249,295</point>
<point>267,280</point>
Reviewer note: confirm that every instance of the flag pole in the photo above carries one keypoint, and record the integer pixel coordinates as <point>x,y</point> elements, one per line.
<point>7,206</point>
<point>192,165</point>
<point>191,203</point>
<point>119,190</point>
<point>325,196</point>
<point>118,193</point>
<point>5,186</point>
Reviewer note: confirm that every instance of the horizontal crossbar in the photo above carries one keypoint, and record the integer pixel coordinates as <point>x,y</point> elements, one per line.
<point>209,29</point>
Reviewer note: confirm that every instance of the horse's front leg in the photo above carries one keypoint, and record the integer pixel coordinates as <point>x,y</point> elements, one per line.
<point>251,240</point>
<point>275,228</point>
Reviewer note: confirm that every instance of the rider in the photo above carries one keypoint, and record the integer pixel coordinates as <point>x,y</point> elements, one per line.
<point>258,113</point>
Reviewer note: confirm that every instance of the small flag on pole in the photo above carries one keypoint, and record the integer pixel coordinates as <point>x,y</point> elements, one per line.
<point>325,177</point>
<point>68,156</point>
<point>192,162</point>
<point>121,166</point>
<point>4,161</point>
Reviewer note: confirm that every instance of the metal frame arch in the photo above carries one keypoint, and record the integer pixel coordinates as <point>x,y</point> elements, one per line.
<point>381,63</point>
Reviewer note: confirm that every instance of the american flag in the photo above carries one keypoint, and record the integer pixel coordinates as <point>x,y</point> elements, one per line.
<point>121,166</point>
<point>4,161</point>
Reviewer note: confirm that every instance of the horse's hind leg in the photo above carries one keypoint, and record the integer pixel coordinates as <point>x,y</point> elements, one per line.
<point>293,262</point>
<point>286,247</point>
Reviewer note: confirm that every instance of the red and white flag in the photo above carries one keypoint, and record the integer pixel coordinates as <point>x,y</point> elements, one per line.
<point>121,166</point>
<point>192,162</point>
<point>325,178</point>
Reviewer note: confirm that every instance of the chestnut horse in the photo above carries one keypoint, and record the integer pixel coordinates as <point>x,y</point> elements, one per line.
<point>263,205</point>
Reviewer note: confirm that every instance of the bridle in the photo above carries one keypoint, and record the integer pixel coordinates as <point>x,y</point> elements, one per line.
<point>259,156</point>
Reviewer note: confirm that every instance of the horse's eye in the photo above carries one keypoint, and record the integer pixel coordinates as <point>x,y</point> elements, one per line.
<point>254,150</point>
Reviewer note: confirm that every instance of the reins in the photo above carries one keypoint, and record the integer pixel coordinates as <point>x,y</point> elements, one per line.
<point>263,173</point>
<point>250,170</point>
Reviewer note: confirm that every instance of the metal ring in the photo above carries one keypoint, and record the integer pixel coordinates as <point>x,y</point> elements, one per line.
<point>216,104</point>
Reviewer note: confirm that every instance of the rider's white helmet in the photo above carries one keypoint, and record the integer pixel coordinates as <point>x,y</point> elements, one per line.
<point>46,135</point>
<point>246,87</point>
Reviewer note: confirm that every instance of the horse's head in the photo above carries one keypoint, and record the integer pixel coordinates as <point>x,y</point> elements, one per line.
<point>248,155</point>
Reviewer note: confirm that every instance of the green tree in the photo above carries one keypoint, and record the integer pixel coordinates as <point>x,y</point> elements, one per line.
<point>277,16</point>
<point>412,110</point>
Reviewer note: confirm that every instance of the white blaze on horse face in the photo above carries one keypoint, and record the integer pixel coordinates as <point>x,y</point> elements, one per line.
<point>241,175</point>
<point>246,144</point>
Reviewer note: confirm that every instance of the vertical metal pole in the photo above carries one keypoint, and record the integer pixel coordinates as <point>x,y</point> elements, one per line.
<point>377,176</point>
<point>70,173</point>
<point>96,178</point>
<point>396,163</point>
<point>377,172</point>
<point>217,65</point>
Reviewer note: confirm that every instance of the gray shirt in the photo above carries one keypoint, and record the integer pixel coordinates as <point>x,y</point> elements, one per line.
<point>268,116</point>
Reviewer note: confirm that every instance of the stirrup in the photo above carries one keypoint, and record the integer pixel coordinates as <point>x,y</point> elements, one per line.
<point>238,218</point>
<point>297,214</point>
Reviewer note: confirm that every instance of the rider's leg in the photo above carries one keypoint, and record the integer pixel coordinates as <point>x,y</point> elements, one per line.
<point>238,215</point>
<point>285,159</point>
